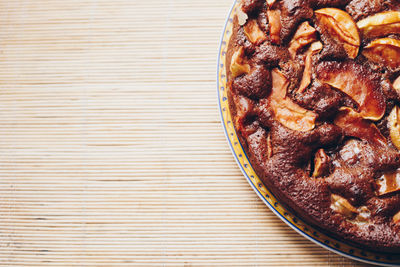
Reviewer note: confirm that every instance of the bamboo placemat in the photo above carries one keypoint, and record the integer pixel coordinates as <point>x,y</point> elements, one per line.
<point>111,148</point>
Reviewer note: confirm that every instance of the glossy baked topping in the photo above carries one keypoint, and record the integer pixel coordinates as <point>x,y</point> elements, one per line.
<point>314,92</point>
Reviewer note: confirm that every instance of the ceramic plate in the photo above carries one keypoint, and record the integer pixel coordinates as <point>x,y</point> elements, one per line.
<point>274,204</point>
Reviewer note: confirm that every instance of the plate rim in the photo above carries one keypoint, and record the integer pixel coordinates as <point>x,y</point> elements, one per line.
<point>253,186</point>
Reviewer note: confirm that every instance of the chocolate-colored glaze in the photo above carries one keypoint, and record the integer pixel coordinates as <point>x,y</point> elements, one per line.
<point>284,158</point>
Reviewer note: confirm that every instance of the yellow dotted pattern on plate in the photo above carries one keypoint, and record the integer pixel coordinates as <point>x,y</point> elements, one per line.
<point>256,182</point>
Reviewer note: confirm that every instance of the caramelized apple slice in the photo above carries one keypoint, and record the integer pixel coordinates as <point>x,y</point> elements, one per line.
<point>396,218</point>
<point>253,32</point>
<point>286,111</point>
<point>394,126</point>
<point>389,183</point>
<point>315,48</point>
<point>384,51</point>
<point>363,215</point>
<point>380,24</point>
<point>321,163</point>
<point>238,65</point>
<point>354,80</point>
<point>396,84</point>
<point>242,16</point>
<point>342,206</point>
<point>304,35</point>
<point>279,85</point>
<point>354,125</point>
<point>274,18</point>
<point>270,2</point>
<point>341,27</point>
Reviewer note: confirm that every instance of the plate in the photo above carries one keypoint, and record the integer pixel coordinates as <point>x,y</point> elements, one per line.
<point>274,204</point>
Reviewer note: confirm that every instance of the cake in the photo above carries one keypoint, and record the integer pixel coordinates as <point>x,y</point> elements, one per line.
<point>314,95</point>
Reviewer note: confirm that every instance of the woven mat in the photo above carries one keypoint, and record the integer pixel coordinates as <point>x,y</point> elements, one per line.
<point>111,147</point>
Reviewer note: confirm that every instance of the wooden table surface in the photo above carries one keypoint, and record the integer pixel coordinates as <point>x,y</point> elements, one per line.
<point>111,148</point>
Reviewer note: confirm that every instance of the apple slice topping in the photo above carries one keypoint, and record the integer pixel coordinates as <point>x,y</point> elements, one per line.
<point>238,64</point>
<point>253,32</point>
<point>355,215</point>
<point>305,35</point>
<point>358,83</point>
<point>384,51</point>
<point>242,16</point>
<point>396,84</point>
<point>388,183</point>
<point>394,126</point>
<point>286,111</point>
<point>341,27</point>
<point>275,26</point>
<point>354,125</point>
<point>271,2</point>
<point>380,24</point>
<point>315,48</point>
<point>396,218</point>
<point>343,206</point>
<point>321,163</point>
<point>363,215</point>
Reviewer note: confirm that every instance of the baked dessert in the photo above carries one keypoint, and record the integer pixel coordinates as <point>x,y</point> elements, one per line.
<point>314,94</point>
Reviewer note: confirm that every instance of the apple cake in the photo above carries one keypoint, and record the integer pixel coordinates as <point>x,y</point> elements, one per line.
<point>314,95</point>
